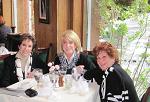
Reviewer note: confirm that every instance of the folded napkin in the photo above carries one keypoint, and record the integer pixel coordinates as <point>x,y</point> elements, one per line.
<point>23,85</point>
<point>80,87</point>
<point>3,50</point>
<point>45,89</point>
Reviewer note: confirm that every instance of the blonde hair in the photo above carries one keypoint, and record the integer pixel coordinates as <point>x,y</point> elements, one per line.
<point>72,36</point>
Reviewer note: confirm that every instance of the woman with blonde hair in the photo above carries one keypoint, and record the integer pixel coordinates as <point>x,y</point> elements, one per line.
<point>72,36</point>
<point>70,55</point>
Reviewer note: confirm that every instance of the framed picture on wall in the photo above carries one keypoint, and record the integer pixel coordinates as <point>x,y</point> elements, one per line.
<point>1,8</point>
<point>43,11</point>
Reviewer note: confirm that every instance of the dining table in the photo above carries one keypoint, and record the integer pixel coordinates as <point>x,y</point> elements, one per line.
<point>16,93</point>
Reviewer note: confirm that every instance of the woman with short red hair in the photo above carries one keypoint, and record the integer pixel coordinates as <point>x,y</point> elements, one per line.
<point>115,83</point>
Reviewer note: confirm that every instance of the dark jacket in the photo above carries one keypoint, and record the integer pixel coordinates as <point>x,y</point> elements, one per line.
<point>9,73</point>
<point>118,83</point>
<point>82,60</point>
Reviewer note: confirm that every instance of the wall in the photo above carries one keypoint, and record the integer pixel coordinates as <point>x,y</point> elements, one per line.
<point>7,11</point>
<point>22,16</point>
<point>63,19</point>
<point>69,16</point>
<point>77,11</point>
<point>46,33</point>
<point>95,19</point>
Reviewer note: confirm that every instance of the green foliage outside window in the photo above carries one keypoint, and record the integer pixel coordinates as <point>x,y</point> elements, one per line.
<point>114,30</point>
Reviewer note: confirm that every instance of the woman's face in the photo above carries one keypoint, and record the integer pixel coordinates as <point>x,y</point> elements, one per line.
<point>104,60</point>
<point>26,47</point>
<point>68,46</point>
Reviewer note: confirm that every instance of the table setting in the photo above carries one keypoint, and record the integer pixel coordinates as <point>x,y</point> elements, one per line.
<point>56,86</point>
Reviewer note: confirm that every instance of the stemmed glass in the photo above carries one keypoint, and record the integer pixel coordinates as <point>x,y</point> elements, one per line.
<point>38,74</point>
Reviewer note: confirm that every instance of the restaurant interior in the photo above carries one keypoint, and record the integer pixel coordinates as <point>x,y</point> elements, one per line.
<point>46,20</point>
<point>26,16</point>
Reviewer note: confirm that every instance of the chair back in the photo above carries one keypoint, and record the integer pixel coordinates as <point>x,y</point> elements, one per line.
<point>91,57</point>
<point>146,96</point>
<point>2,58</point>
<point>1,71</point>
<point>43,53</point>
<point>1,68</point>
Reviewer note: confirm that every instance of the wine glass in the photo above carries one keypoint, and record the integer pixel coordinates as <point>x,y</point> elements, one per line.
<point>38,74</point>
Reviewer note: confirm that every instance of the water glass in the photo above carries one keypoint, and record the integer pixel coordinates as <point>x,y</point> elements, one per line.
<point>75,74</point>
<point>53,76</point>
<point>68,81</point>
<point>38,74</point>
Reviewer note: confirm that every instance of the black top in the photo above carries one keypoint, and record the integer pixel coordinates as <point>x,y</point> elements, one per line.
<point>82,60</point>
<point>9,75</point>
<point>117,83</point>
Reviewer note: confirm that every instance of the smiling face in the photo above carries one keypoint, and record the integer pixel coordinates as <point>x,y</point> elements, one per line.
<point>104,60</point>
<point>25,47</point>
<point>68,47</point>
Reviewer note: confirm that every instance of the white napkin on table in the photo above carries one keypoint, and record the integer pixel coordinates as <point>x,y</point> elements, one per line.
<point>3,50</point>
<point>46,88</point>
<point>80,87</point>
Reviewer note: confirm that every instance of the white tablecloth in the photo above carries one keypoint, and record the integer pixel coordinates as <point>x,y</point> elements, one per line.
<point>60,95</point>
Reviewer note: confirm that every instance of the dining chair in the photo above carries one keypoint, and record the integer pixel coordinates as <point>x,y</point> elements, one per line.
<point>43,53</point>
<point>2,58</point>
<point>91,56</point>
<point>1,70</point>
<point>146,96</point>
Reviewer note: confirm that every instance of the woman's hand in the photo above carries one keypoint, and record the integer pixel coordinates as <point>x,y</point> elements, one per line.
<point>80,69</point>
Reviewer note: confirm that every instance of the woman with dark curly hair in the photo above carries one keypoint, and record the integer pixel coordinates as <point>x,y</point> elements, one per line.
<point>19,66</point>
<point>115,83</point>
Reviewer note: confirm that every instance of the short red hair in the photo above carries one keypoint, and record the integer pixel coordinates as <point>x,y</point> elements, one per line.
<point>108,48</point>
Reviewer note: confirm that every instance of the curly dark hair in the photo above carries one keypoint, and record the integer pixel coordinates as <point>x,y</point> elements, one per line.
<point>108,48</point>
